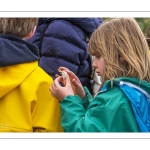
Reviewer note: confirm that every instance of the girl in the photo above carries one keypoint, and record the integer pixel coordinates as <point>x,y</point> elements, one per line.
<point>122,103</point>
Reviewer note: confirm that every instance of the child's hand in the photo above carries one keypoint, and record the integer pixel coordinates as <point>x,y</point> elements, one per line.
<point>75,82</point>
<point>60,92</point>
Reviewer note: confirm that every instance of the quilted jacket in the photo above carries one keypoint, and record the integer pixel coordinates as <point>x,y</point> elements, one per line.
<point>64,43</point>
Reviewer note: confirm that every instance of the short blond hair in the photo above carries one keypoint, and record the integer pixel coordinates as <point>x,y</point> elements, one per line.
<point>121,37</point>
<point>19,27</point>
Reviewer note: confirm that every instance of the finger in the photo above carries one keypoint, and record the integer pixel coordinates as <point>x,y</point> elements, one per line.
<point>52,87</point>
<point>56,75</point>
<point>62,68</point>
<point>68,71</point>
<point>72,75</point>
<point>51,90</point>
<point>74,82</point>
<point>59,79</point>
<point>67,81</point>
<point>56,83</point>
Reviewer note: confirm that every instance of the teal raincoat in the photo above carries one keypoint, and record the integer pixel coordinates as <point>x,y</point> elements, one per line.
<point>109,111</point>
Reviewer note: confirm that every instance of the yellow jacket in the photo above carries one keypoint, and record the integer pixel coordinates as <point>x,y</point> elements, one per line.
<point>26,104</point>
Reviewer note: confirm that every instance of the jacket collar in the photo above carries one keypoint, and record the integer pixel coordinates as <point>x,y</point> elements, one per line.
<point>14,50</point>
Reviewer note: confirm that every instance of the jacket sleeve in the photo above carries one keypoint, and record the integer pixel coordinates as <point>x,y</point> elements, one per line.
<point>87,99</point>
<point>105,113</point>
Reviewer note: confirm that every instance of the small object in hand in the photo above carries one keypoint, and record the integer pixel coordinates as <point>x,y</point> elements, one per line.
<point>64,74</point>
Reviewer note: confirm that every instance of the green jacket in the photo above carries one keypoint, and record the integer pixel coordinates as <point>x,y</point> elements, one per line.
<point>109,111</point>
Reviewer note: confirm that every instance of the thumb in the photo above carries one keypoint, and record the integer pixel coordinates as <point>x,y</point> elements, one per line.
<point>68,83</point>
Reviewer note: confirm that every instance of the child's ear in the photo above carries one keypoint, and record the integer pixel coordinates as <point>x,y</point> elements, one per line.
<point>121,59</point>
<point>31,33</point>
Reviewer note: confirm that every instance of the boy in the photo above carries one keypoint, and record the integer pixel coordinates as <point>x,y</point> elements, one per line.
<point>25,102</point>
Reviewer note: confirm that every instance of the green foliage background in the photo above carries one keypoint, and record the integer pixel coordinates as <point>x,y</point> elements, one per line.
<point>143,23</point>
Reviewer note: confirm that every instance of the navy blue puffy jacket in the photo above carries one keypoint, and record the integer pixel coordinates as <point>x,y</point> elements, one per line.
<point>64,44</point>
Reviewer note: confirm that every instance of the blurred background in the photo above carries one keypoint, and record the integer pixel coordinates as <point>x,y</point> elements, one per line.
<point>144,23</point>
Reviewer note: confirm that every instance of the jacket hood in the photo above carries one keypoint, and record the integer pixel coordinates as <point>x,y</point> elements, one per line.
<point>14,50</point>
<point>141,83</point>
<point>88,25</point>
<point>13,76</point>
<point>17,60</point>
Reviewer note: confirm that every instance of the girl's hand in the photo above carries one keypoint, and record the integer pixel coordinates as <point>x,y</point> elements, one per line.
<point>75,82</point>
<point>60,92</point>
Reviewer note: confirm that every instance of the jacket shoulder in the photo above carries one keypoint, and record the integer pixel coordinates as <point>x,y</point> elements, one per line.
<point>41,75</point>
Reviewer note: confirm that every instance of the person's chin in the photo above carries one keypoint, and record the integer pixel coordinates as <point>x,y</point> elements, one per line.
<point>98,73</point>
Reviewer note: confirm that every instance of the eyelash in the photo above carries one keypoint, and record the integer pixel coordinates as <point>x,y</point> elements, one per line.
<point>97,57</point>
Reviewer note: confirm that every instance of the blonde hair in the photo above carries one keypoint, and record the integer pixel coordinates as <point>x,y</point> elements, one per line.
<point>121,37</point>
<point>19,27</point>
